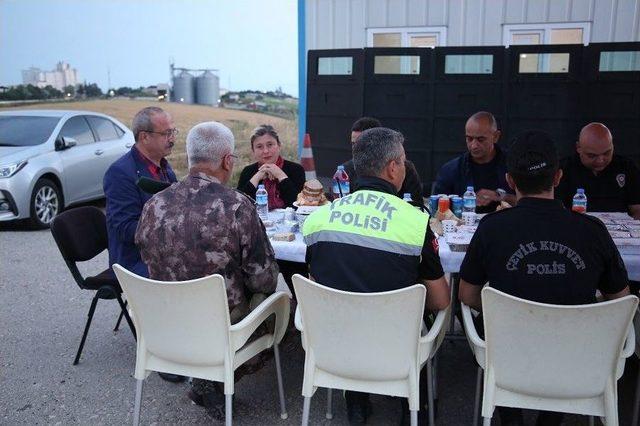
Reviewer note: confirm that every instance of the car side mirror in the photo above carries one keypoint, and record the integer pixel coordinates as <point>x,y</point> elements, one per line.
<point>65,142</point>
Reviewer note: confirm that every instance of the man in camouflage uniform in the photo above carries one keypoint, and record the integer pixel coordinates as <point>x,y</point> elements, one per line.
<point>199,227</point>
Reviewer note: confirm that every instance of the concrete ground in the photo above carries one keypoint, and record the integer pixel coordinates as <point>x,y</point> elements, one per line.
<point>42,315</point>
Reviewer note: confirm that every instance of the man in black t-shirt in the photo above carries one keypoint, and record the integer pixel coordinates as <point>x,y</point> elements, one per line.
<point>611,182</point>
<point>538,250</point>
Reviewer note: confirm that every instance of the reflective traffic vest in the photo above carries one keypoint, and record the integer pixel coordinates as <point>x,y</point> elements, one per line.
<point>370,219</point>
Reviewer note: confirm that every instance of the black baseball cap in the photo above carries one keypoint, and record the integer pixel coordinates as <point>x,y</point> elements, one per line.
<point>532,153</point>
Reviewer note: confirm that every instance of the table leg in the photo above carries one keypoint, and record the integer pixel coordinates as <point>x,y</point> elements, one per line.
<point>455,308</point>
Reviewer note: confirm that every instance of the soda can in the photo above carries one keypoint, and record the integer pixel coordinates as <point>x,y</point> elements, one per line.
<point>456,206</point>
<point>433,204</point>
<point>443,204</point>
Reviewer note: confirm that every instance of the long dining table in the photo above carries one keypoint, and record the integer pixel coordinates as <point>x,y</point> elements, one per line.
<point>295,251</point>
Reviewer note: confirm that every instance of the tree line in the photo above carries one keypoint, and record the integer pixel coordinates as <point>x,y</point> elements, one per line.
<point>26,92</point>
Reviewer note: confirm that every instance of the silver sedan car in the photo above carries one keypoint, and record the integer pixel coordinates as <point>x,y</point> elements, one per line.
<point>50,159</point>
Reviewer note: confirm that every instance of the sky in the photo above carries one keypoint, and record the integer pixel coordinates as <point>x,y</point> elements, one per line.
<point>253,43</point>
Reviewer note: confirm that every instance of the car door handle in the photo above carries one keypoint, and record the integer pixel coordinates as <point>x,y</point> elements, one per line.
<point>99,152</point>
<point>129,145</point>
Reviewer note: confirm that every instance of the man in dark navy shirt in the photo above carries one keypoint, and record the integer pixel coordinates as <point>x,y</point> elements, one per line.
<point>482,167</point>
<point>559,257</point>
<point>611,182</point>
<point>155,135</point>
<point>411,183</point>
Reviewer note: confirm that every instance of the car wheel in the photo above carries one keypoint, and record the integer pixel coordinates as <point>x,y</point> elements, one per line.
<point>46,203</point>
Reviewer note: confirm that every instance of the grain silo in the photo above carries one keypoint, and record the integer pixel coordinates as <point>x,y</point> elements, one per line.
<point>207,89</point>
<point>183,88</point>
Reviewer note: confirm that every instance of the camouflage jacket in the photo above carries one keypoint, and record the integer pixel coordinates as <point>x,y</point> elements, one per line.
<point>199,227</point>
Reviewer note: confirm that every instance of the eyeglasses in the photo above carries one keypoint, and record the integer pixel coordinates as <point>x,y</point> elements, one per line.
<point>167,133</point>
<point>233,155</point>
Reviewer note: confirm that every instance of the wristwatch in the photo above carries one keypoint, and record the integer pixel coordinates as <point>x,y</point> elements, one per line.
<point>501,193</point>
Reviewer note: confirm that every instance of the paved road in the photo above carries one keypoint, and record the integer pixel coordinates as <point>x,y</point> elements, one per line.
<point>42,313</point>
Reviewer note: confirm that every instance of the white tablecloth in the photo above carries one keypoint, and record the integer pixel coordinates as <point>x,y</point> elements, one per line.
<point>293,251</point>
<point>451,260</point>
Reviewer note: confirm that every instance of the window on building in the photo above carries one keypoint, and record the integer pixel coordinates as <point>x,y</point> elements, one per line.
<point>407,37</point>
<point>620,61</point>
<point>468,64</point>
<point>396,64</point>
<point>556,33</point>
<point>342,65</point>
<point>537,63</point>
<point>403,37</point>
<point>387,40</point>
<point>536,34</point>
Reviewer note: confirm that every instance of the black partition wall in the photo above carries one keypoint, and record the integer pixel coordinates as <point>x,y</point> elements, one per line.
<point>428,94</point>
<point>401,101</point>
<point>613,97</point>
<point>551,101</point>
<point>336,88</point>
<point>458,94</point>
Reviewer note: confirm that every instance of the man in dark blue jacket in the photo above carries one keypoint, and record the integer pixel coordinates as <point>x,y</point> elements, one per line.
<point>483,166</point>
<point>155,134</point>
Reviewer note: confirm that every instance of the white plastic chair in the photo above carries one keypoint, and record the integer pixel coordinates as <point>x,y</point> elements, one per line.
<point>184,328</point>
<point>366,342</point>
<point>551,357</point>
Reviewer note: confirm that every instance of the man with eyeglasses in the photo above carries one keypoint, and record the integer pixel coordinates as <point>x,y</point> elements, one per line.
<point>611,182</point>
<point>155,134</point>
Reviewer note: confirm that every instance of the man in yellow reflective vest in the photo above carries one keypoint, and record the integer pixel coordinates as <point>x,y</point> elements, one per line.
<point>372,241</point>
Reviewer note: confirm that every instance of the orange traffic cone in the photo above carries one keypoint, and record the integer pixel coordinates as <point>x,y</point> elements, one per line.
<point>306,159</point>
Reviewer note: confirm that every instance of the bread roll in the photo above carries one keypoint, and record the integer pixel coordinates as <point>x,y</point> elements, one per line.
<point>283,236</point>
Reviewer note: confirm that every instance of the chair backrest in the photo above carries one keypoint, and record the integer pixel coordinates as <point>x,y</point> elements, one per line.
<point>365,336</point>
<point>80,233</point>
<point>185,322</point>
<point>636,326</point>
<point>553,350</point>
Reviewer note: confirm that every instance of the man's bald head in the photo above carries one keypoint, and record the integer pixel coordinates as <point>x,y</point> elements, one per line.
<point>595,147</point>
<point>486,118</point>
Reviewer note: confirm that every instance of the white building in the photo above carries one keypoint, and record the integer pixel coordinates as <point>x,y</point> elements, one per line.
<point>345,24</point>
<point>59,78</point>
<point>355,24</point>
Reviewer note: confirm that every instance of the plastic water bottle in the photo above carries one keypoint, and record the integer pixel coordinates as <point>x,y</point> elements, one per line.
<point>262,202</point>
<point>579,201</point>
<point>341,187</point>
<point>407,197</point>
<point>469,200</point>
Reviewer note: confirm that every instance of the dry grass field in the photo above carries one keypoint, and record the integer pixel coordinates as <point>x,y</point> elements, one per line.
<point>185,117</point>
